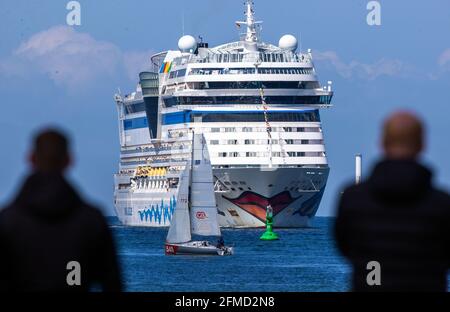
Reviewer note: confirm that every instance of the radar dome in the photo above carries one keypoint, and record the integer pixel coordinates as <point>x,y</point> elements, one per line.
<point>187,44</point>
<point>288,42</point>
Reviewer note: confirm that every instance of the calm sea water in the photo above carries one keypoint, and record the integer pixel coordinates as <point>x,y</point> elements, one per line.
<point>302,260</point>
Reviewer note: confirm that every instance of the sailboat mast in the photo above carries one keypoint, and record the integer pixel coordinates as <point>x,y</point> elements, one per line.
<point>190,171</point>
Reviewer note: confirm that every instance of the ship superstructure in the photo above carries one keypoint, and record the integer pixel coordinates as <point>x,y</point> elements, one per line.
<point>257,106</point>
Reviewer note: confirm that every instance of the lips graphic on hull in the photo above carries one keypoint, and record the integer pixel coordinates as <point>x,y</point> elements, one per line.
<point>256,204</point>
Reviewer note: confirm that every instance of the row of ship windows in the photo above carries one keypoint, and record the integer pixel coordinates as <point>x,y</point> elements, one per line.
<point>253,85</point>
<point>244,71</point>
<point>150,160</point>
<point>180,134</point>
<point>264,142</point>
<point>274,154</point>
<point>242,99</point>
<point>241,71</point>
<point>266,57</point>
<point>259,129</point>
<point>134,108</point>
<point>177,73</point>
<point>240,117</point>
<point>238,56</point>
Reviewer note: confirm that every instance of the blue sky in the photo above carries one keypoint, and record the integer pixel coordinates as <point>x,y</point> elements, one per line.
<point>53,74</point>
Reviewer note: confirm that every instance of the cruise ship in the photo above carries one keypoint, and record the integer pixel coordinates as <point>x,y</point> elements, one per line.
<point>258,108</point>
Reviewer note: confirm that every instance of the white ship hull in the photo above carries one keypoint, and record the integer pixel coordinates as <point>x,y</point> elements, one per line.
<point>289,191</point>
<point>294,193</point>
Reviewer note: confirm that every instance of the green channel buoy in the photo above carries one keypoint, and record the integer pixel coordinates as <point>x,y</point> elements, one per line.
<point>269,234</point>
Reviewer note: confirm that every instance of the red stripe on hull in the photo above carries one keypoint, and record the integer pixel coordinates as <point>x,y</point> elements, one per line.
<point>171,249</point>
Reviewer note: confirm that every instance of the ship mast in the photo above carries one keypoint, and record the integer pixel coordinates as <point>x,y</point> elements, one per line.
<point>252,34</point>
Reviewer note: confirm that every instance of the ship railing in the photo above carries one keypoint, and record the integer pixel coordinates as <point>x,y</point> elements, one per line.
<point>252,106</point>
<point>257,58</point>
<point>148,150</point>
<point>153,149</point>
<point>248,166</point>
<point>148,162</point>
<point>124,173</point>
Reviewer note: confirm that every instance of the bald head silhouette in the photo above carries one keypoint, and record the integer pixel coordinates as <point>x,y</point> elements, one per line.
<point>403,136</point>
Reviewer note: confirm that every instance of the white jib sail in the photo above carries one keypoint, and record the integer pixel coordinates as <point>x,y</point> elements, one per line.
<point>180,231</point>
<point>203,202</point>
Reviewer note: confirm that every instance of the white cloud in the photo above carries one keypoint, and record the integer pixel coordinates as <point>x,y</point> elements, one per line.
<point>72,59</point>
<point>383,67</point>
<point>11,67</point>
<point>331,58</point>
<point>443,62</point>
<point>444,59</point>
<point>69,58</point>
<point>136,62</point>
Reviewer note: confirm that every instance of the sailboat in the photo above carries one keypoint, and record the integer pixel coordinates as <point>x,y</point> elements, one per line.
<point>196,211</point>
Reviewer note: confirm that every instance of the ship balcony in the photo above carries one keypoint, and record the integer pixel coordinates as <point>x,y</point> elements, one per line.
<point>150,153</point>
<point>251,92</point>
<point>272,100</point>
<point>236,57</point>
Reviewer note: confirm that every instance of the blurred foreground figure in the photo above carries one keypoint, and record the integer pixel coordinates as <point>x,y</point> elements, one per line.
<point>396,218</point>
<point>50,240</point>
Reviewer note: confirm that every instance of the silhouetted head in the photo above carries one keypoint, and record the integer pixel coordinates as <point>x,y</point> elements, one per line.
<point>50,152</point>
<point>402,136</point>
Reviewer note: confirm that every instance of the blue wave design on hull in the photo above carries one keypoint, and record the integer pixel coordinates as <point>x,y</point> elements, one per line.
<point>159,213</point>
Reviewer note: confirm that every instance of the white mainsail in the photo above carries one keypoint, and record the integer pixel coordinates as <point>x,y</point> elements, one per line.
<point>203,203</point>
<point>179,231</point>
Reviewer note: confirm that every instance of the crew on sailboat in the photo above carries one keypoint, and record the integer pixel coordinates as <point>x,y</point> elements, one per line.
<point>220,242</point>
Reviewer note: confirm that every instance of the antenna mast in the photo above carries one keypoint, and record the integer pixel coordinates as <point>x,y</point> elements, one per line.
<point>182,21</point>
<point>252,34</point>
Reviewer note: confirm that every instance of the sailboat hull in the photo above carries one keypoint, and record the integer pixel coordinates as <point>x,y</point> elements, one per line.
<point>197,248</point>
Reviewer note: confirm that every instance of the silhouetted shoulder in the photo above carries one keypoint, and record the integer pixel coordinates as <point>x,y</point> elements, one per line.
<point>442,196</point>
<point>355,189</point>
<point>443,201</point>
<point>92,217</point>
<point>94,212</point>
<point>9,217</point>
<point>352,193</point>
<point>4,211</point>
